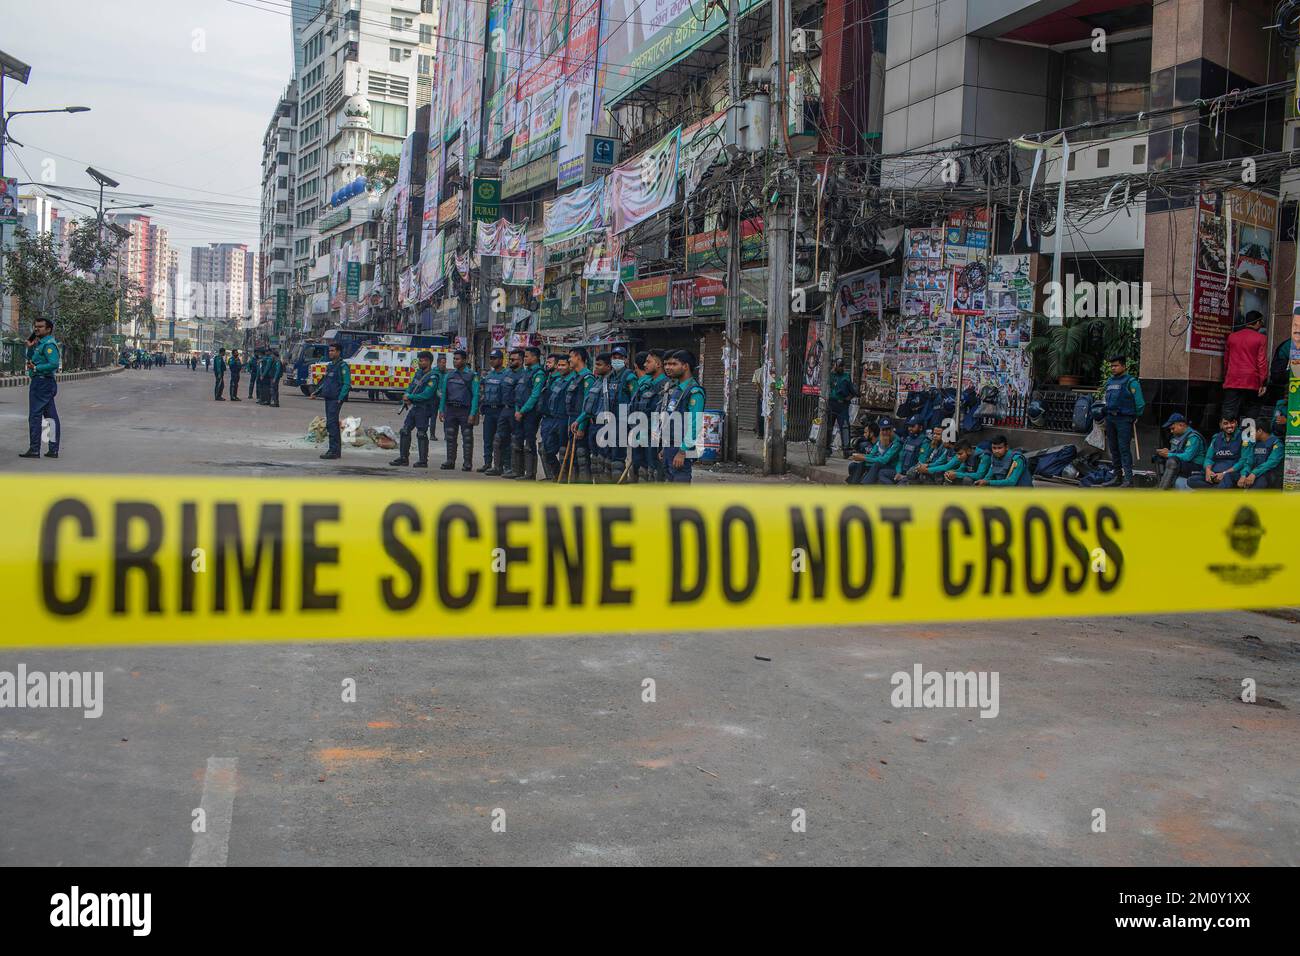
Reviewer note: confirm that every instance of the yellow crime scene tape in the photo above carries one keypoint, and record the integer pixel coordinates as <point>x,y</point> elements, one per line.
<point>104,561</point>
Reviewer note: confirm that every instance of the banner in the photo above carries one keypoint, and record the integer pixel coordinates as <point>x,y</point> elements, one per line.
<point>516,255</point>
<point>107,561</point>
<point>645,185</point>
<point>577,101</point>
<point>575,213</point>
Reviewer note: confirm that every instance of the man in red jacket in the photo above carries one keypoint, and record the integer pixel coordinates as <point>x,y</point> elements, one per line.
<point>1245,367</point>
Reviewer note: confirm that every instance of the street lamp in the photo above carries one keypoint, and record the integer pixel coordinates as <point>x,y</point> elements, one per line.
<point>7,118</point>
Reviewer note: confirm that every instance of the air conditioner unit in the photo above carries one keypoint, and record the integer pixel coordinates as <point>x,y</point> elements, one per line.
<point>808,42</point>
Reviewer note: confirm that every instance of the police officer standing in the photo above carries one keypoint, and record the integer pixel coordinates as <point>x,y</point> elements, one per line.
<point>529,385</point>
<point>219,372</point>
<point>685,403</point>
<point>842,392</point>
<point>1124,404</point>
<point>494,383</point>
<point>581,380</point>
<point>236,365</point>
<point>275,369</point>
<point>418,401</point>
<point>42,365</point>
<point>439,373</point>
<point>554,437</point>
<point>587,428</point>
<point>255,373</point>
<point>648,399</point>
<point>504,447</point>
<point>459,410</point>
<point>334,387</point>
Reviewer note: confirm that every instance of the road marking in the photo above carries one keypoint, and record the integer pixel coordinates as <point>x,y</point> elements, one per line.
<point>211,846</point>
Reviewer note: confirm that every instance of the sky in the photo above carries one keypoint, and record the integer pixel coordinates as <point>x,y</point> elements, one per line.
<point>180,92</point>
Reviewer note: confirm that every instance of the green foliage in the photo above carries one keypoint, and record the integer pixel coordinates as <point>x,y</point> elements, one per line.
<point>383,169</point>
<point>1079,346</point>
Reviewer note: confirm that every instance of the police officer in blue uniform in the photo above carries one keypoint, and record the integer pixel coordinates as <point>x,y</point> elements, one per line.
<point>42,366</point>
<point>219,373</point>
<point>594,405</point>
<point>255,371</point>
<point>581,380</point>
<point>505,444</point>
<point>236,366</point>
<point>645,401</point>
<point>418,399</point>
<point>1124,404</point>
<point>1007,468</point>
<point>1261,466</point>
<point>881,459</point>
<point>529,394</point>
<point>1184,455</point>
<point>275,370</point>
<point>493,385</point>
<point>1218,467</point>
<point>622,385</point>
<point>459,410</point>
<point>685,403</point>
<point>334,387</point>
<point>913,444</point>
<point>554,434</point>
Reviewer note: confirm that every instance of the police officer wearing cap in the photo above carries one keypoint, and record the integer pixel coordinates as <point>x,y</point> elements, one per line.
<point>236,365</point>
<point>42,365</point>
<point>685,403</point>
<point>882,459</point>
<point>530,384</point>
<point>493,388</point>
<point>1184,454</point>
<point>418,399</point>
<point>333,388</point>
<point>219,373</point>
<point>504,448</point>
<point>554,417</point>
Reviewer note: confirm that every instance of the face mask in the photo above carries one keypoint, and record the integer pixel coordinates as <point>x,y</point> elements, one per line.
<point>1279,429</point>
<point>619,365</point>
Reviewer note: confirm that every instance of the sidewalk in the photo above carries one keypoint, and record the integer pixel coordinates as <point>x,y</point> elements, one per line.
<point>798,462</point>
<point>14,380</point>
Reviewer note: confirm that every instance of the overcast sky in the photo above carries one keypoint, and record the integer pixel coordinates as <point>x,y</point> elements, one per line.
<point>174,112</point>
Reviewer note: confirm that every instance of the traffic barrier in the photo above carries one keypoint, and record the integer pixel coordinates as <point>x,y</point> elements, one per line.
<point>105,561</point>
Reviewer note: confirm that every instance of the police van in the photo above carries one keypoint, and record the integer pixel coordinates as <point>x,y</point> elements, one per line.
<point>384,369</point>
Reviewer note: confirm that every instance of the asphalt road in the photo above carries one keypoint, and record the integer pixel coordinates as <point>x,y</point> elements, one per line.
<point>1137,716</point>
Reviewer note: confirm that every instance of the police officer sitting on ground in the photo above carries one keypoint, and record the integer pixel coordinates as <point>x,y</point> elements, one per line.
<point>971,466</point>
<point>1006,468</point>
<point>1183,456</point>
<point>1261,465</point>
<point>1219,466</point>
<point>934,459</point>
<point>882,459</point>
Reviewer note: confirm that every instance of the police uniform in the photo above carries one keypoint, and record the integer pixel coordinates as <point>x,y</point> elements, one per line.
<point>554,423</point>
<point>842,391</point>
<point>421,395</point>
<point>575,402</point>
<point>1010,470</point>
<point>882,460</point>
<point>334,387</point>
<point>913,446</point>
<point>460,398</point>
<point>219,373</point>
<point>622,383</point>
<point>41,389</point>
<point>236,366</point>
<point>1124,404</point>
<point>1222,458</point>
<point>1264,461</point>
<point>686,400</point>
<point>529,396</point>
<point>273,381</point>
<point>254,372</point>
<point>1186,451</point>
<point>495,386</point>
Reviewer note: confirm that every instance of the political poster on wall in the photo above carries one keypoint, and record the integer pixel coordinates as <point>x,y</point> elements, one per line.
<point>645,185</point>
<point>1233,266</point>
<point>1211,312</point>
<point>812,359</point>
<point>575,213</point>
<point>576,103</point>
<point>858,294</point>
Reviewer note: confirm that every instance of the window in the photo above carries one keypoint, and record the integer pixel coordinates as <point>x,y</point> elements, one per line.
<point>426,34</point>
<point>1140,154</point>
<point>423,64</point>
<point>1103,158</point>
<point>388,118</point>
<point>395,54</point>
<point>400,23</point>
<point>1101,86</point>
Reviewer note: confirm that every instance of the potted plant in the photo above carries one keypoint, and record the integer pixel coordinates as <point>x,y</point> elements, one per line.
<point>1072,352</point>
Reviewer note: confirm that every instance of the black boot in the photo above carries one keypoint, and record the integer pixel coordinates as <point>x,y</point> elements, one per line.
<point>495,455</point>
<point>530,466</point>
<point>584,466</point>
<point>404,454</point>
<point>450,463</point>
<point>423,443</point>
<point>516,467</point>
<point>550,465</point>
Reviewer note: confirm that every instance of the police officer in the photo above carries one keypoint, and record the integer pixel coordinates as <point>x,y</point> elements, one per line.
<point>1185,452</point>
<point>932,462</point>
<point>459,410</point>
<point>255,373</point>
<point>529,395</point>
<point>554,436</point>
<point>1006,468</point>
<point>219,373</point>
<point>581,380</point>
<point>685,403</point>
<point>861,448</point>
<point>587,427</point>
<point>493,385</point>
<point>913,444</point>
<point>623,381</point>
<point>126,360</point>
<point>334,387</point>
<point>42,366</point>
<point>439,373</point>
<point>842,392</point>
<point>881,459</point>
<point>1124,404</point>
<point>1261,466</point>
<point>1219,466</point>
<point>275,370</point>
<point>970,466</point>
<point>236,366</point>
<point>263,379</point>
<point>418,400</point>
<point>503,449</point>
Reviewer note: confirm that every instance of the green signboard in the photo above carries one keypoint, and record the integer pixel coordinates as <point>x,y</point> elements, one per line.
<point>486,206</point>
<point>354,279</point>
<point>281,304</point>
<point>552,316</point>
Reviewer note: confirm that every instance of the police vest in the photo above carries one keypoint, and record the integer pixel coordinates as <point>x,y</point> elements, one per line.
<point>911,452</point>
<point>460,387</point>
<point>494,388</point>
<point>1263,449</point>
<point>1119,400</point>
<point>678,393</point>
<point>331,384</point>
<point>574,395</point>
<point>524,380</point>
<point>555,392</point>
<point>1224,454</point>
<point>1179,442</point>
<point>418,382</point>
<point>645,397</point>
<point>999,468</point>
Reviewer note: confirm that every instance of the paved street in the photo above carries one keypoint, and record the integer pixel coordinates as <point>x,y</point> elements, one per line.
<point>1138,717</point>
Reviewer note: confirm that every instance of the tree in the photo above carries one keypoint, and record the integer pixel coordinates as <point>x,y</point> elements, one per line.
<point>33,274</point>
<point>382,169</point>
<point>182,345</point>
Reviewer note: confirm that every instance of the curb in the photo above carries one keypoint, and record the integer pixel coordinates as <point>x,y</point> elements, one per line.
<point>820,474</point>
<point>10,381</point>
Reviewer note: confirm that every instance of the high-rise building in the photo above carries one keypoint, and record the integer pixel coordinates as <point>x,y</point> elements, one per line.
<point>217,278</point>
<point>349,48</point>
<point>275,272</point>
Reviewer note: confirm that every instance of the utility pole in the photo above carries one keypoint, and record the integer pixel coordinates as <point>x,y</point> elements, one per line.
<point>731,333</point>
<point>777,228</point>
<point>828,357</point>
